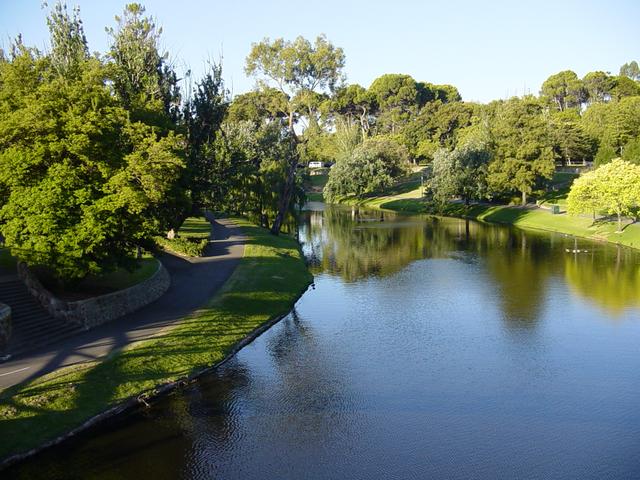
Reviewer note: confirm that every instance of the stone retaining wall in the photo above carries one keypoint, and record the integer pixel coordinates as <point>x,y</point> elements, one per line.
<point>95,311</point>
<point>5,325</point>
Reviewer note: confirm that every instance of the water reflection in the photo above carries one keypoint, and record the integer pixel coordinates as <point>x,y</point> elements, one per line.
<point>356,246</point>
<point>430,348</point>
<point>609,278</point>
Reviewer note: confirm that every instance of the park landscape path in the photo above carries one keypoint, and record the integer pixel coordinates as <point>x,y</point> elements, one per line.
<point>193,282</point>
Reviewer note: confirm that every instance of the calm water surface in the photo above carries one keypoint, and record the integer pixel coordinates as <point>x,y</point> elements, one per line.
<point>427,349</point>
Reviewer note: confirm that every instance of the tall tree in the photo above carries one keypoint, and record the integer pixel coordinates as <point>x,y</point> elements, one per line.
<point>85,185</point>
<point>145,82</point>
<point>599,86</point>
<point>297,69</point>
<point>630,70</point>
<point>203,116</point>
<point>397,98</point>
<point>614,188</point>
<point>564,90</point>
<point>523,149</point>
<point>68,42</point>
<point>354,101</point>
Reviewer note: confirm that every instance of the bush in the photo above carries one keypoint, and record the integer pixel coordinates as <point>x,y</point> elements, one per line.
<point>190,247</point>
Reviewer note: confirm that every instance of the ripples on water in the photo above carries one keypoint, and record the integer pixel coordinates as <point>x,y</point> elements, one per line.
<point>428,349</point>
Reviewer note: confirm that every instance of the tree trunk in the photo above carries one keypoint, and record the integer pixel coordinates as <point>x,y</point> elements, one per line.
<point>619,224</point>
<point>524,198</point>
<point>285,198</point>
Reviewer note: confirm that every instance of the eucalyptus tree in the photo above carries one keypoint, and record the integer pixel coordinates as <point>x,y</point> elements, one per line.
<point>298,69</point>
<point>630,70</point>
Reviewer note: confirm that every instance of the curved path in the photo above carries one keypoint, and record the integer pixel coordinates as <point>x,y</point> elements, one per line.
<point>193,282</point>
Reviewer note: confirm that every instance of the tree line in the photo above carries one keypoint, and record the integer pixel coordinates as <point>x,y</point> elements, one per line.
<point>101,152</point>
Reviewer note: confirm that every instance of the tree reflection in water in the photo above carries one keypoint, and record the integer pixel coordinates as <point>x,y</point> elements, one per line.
<point>358,244</point>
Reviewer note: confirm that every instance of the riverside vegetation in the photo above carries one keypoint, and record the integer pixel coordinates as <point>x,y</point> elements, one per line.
<point>101,155</point>
<point>268,280</point>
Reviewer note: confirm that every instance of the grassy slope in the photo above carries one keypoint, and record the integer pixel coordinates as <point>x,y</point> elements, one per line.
<point>193,237</point>
<point>269,278</point>
<point>313,187</point>
<point>407,197</point>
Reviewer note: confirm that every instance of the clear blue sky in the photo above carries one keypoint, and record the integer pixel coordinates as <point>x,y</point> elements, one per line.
<point>487,49</point>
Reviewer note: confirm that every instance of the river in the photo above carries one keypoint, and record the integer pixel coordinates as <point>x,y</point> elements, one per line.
<point>427,348</point>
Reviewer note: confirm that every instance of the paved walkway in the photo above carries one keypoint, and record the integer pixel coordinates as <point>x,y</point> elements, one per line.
<point>193,282</point>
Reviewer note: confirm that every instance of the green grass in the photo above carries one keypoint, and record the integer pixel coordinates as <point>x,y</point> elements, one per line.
<point>195,227</point>
<point>121,278</point>
<point>192,240</point>
<point>314,196</point>
<point>402,198</point>
<point>266,283</point>
<point>318,180</point>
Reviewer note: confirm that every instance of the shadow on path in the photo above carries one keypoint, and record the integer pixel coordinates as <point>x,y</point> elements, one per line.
<point>193,282</point>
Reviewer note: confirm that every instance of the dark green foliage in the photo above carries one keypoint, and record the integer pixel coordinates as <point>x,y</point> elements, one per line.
<point>571,143</point>
<point>189,247</point>
<point>523,149</point>
<point>564,90</point>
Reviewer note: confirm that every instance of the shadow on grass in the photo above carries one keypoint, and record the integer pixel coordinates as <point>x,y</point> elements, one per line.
<point>263,286</point>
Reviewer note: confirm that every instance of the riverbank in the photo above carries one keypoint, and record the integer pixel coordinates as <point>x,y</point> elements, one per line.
<point>411,201</point>
<point>267,282</point>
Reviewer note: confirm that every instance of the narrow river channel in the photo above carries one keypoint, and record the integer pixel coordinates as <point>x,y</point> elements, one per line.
<point>428,348</point>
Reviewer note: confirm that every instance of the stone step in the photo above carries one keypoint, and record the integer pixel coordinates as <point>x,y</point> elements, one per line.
<point>32,326</point>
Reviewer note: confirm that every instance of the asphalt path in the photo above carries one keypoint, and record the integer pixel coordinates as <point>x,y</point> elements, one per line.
<point>193,282</point>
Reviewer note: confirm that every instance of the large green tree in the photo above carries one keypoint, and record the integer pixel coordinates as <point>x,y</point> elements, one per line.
<point>523,149</point>
<point>564,90</point>
<point>298,69</point>
<point>461,172</point>
<point>614,188</point>
<point>373,165</point>
<point>84,186</point>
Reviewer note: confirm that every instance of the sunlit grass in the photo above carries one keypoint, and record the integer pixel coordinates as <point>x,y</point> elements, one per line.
<point>270,276</point>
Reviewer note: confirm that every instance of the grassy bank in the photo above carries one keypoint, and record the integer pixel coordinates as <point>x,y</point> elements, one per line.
<point>409,200</point>
<point>192,239</point>
<point>266,283</point>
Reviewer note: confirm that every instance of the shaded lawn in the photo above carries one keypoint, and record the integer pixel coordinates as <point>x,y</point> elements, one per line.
<point>268,280</point>
<point>121,278</point>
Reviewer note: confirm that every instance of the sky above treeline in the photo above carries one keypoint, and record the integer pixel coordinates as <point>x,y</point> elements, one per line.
<point>489,50</point>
